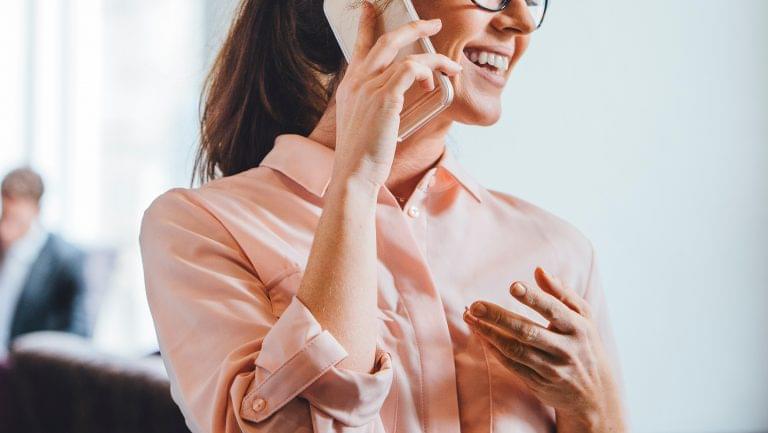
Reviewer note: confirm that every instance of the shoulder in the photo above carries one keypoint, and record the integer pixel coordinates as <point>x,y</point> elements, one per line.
<point>61,249</point>
<point>221,198</point>
<point>218,212</point>
<point>199,204</point>
<point>177,210</point>
<point>572,249</point>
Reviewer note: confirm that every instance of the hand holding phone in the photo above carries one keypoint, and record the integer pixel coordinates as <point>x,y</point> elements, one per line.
<point>421,104</point>
<point>371,95</point>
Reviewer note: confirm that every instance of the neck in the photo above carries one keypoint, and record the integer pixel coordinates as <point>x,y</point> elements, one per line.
<point>414,156</point>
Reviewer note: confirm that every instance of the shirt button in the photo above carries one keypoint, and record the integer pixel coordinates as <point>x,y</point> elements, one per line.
<point>259,404</point>
<point>413,211</point>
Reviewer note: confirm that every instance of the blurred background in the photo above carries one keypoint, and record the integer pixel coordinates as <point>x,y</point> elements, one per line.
<point>645,124</point>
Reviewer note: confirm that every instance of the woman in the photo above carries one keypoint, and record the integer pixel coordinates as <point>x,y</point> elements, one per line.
<point>318,281</point>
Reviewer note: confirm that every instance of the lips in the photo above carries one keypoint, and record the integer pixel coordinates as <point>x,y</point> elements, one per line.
<point>497,63</point>
<point>487,72</point>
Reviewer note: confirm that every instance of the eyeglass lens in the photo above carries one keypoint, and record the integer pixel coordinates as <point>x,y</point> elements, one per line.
<point>535,7</point>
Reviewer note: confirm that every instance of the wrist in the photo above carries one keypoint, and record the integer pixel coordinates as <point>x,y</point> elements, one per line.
<point>353,184</point>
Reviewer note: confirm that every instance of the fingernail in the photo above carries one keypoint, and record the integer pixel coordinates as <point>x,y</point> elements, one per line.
<point>478,309</point>
<point>518,289</point>
<point>468,317</point>
<point>436,22</point>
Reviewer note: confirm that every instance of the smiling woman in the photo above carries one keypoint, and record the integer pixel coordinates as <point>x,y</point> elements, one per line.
<point>318,280</point>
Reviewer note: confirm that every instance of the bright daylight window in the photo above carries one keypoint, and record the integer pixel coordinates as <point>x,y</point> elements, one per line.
<point>100,96</point>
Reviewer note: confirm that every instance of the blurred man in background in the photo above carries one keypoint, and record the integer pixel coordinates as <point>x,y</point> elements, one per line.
<point>41,276</point>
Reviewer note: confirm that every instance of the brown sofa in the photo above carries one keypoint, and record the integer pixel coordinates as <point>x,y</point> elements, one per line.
<point>59,383</point>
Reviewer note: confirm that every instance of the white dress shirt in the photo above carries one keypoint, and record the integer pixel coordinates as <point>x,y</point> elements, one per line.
<point>14,270</point>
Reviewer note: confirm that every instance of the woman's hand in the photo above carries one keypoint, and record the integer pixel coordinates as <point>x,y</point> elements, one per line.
<point>564,364</point>
<point>370,97</point>
<point>339,285</point>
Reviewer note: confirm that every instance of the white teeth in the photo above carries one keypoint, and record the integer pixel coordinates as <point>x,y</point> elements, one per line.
<point>500,62</point>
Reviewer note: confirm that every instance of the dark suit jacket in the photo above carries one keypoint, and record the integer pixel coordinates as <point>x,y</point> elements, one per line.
<point>53,297</point>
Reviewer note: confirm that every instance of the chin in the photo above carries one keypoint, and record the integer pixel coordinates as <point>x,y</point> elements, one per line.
<point>476,111</point>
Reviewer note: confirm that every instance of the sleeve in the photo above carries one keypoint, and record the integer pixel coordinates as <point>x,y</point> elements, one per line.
<point>233,365</point>
<point>595,296</point>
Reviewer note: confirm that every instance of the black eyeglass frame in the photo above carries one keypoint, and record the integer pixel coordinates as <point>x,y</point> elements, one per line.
<point>506,3</point>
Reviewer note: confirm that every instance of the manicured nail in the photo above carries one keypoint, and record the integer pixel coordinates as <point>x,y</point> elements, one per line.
<point>518,289</point>
<point>478,309</point>
<point>468,317</point>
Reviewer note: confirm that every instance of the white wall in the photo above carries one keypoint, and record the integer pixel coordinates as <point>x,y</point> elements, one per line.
<point>645,123</point>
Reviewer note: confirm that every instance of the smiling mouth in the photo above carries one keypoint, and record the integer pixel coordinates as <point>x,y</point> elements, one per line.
<point>495,63</point>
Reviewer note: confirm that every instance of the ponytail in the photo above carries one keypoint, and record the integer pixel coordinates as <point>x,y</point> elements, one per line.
<point>270,77</point>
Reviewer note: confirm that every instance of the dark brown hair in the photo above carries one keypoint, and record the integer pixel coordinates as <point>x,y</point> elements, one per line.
<point>23,183</point>
<point>274,74</point>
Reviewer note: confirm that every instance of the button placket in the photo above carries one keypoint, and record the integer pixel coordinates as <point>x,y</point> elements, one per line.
<point>419,194</point>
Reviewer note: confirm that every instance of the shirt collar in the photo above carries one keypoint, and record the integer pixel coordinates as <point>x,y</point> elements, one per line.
<point>29,245</point>
<point>310,164</point>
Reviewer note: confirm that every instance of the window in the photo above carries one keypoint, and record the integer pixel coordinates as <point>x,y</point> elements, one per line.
<point>101,97</point>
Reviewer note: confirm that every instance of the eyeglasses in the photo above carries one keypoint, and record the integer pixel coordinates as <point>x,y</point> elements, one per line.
<point>536,8</point>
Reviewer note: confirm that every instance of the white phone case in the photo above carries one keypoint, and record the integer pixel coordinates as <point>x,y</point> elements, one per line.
<point>420,105</point>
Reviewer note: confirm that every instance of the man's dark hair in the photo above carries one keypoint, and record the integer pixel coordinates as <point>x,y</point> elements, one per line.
<point>23,182</point>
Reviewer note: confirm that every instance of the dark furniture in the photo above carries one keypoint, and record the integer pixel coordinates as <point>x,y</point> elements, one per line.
<point>59,383</point>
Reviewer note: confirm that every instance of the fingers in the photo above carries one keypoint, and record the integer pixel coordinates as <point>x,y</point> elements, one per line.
<point>559,290</point>
<point>490,319</point>
<point>527,361</point>
<point>528,374</point>
<point>374,58</point>
<point>558,314</point>
<point>385,49</point>
<point>419,67</point>
<point>365,33</point>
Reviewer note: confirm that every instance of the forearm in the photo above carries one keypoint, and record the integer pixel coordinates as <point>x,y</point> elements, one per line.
<point>339,285</point>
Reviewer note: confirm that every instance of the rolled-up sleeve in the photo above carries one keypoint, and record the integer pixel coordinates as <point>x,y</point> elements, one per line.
<point>234,366</point>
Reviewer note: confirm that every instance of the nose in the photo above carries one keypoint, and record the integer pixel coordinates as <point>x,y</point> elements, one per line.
<point>515,17</point>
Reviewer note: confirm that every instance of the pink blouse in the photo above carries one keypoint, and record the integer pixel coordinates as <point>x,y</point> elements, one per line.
<point>223,262</point>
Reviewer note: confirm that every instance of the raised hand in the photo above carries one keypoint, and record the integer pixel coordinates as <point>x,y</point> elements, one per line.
<point>563,364</point>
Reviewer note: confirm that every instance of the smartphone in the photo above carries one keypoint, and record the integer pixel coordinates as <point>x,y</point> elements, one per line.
<point>420,105</point>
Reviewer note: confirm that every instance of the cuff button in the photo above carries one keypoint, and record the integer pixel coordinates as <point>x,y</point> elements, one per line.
<point>259,404</point>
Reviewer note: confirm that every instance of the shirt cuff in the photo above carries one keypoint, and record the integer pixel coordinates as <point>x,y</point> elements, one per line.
<point>299,358</point>
<point>351,397</point>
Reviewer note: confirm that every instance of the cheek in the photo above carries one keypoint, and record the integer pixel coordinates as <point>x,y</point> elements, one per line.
<point>450,44</point>
<point>460,24</point>
<point>521,45</point>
